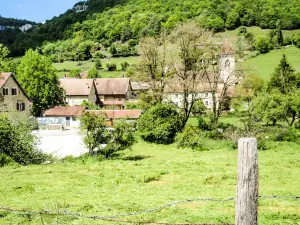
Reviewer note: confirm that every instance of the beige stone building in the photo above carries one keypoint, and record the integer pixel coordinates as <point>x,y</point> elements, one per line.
<point>79,90</point>
<point>113,92</point>
<point>14,97</point>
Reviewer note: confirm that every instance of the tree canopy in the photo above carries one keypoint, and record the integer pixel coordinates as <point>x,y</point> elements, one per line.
<point>38,77</point>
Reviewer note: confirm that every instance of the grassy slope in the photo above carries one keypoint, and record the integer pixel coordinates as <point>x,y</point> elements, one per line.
<point>87,65</point>
<point>159,175</point>
<point>265,64</point>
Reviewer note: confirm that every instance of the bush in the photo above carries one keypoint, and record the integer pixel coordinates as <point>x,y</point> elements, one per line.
<point>18,142</point>
<point>160,124</point>
<point>98,64</point>
<point>111,66</point>
<point>93,73</point>
<point>289,135</point>
<point>75,73</point>
<point>204,125</point>
<point>296,39</point>
<point>263,44</point>
<point>120,139</point>
<point>124,66</point>
<point>190,138</point>
<point>5,160</point>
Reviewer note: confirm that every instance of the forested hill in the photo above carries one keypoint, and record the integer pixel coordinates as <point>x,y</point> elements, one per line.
<point>106,21</point>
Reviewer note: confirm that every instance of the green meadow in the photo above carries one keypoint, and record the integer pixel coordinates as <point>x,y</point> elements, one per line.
<point>150,176</point>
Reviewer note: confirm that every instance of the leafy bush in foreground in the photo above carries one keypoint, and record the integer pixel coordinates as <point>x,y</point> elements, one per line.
<point>18,142</point>
<point>191,137</point>
<point>160,124</point>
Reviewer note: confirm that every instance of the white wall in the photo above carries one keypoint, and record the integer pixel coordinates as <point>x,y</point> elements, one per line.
<point>76,100</point>
<point>177,98</point>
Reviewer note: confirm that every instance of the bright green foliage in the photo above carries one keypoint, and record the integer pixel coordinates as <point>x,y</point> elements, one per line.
<point>121,138</point>
<point>296,39</point>
<point>124,66</point>
<point>95,132</point>
<point>93,73</point>
<point>96,135</point>
<point>249,87</point>
<point>284,77</point>
<point>75,73</point>
<point>263,44</point>
<point>98,64</point>
<point>190,138</point>
<point>18,142</point>
<point>38,77</point>
<point>3,52</point>
<point>111,66</point>
<point>160,124</point>
<point>198,108</point>
<point>269,107</point>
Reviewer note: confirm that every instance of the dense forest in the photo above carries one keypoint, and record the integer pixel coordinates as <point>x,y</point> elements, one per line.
<point>107,22</point>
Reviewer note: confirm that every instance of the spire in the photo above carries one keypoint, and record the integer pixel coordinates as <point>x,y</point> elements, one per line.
<point>227,48</point>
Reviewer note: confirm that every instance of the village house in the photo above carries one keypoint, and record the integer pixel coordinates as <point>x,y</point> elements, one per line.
<point>79,90</point>
<point>14,97</point>
<point>62,116</point>
<point>113,92</point>
<point>202,89</point>
<point>112,115</point>
<point>138,88</point>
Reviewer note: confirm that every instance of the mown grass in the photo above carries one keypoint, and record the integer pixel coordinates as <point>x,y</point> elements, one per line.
<point>149,176</point>
<point>265,64</point>
<point>87,65</point>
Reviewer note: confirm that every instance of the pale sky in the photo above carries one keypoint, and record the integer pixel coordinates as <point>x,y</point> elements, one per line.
<point>34,10</point>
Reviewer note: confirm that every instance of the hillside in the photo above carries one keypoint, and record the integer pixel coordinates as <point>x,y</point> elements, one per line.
<point>107,21</point>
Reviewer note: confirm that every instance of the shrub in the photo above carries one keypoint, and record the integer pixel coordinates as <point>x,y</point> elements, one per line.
<point>263,44</point>
<point>124,66</point>
<point>93,73</point>
<point>75,73</point>
<point>204,125</point>
<point>190,138</point>
<point>160,124</point>
<point>296,39</point>
<point>120,139</point>
<point>111,66</point>
<point>98,64</point>
<point>18,142</point>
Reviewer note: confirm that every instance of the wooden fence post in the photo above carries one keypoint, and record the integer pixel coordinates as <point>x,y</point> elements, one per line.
<point>247,185</point>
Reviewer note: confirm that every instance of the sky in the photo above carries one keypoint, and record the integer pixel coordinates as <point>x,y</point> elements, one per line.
<point>34,10</point>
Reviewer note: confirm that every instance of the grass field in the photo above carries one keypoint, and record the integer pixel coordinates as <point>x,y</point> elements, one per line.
<point>87,65</point>
<point>265,64</point>
<point>149,176</point>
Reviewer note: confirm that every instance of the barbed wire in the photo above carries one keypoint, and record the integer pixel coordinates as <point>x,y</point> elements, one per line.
<point>114,217</point>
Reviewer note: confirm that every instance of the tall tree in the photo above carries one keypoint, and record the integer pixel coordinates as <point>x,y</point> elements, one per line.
<point>38,77</point>
<point>284,77</point>
<point>154,67</point>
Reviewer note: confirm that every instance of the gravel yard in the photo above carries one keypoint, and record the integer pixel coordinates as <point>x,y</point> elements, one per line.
<point>62,143</point>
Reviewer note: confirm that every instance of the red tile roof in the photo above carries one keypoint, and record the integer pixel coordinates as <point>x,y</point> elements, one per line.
<point>112,103</point>
<point>68,111</point>
<point>115,86</point>
<point>119,114</point>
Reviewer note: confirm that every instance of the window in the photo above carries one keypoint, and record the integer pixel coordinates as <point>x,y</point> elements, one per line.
<point>5,91</point>
<point>206,95</point>
<point>14,91</point>
<point>227,64</point>
<point>176,95</point>
<point>206,103</point>
<point>20,106</point>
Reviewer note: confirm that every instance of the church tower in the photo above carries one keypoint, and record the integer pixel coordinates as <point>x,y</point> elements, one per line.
<point>227,61</point>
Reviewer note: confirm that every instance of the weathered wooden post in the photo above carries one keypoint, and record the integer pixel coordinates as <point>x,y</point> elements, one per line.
<point>247,185</point>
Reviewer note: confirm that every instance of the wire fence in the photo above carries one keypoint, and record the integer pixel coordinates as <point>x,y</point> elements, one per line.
<point>114,218</point>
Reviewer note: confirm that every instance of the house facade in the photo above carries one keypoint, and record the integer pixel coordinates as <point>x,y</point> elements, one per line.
<point>12,94</point>
<point>79,90</point>
<point>66,116</point>
<point>203,89</point>
<point>113,92</point>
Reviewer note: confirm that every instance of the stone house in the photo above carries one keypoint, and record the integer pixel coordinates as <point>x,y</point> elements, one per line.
<point>14,96</point>
<point>113,92</point>
<point>79,90</point>
<point>173,93</point>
